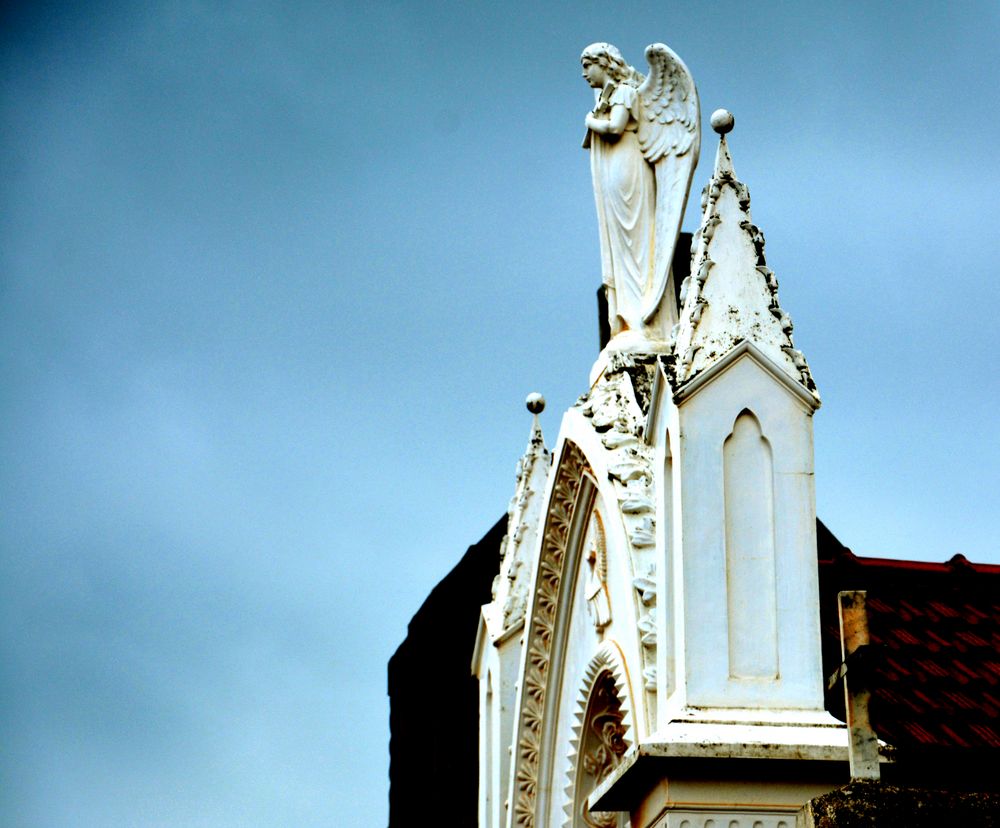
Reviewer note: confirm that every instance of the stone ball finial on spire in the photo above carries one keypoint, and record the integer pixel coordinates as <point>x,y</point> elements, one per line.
<point>722,121</point>
<point>535,402</point>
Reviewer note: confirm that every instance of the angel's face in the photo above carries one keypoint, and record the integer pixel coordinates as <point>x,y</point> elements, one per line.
<point>594,73</point>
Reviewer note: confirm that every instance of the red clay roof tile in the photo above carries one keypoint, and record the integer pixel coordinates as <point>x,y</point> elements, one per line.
<point>937,630</point>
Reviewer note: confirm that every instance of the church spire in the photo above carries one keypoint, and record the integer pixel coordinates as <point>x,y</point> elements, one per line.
<point>731,296</point>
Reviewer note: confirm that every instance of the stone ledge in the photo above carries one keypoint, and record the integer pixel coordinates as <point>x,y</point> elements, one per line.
<point>646,764</point>
<point>870,804</point>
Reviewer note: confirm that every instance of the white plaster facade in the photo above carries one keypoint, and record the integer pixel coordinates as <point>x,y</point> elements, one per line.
<point>664,666</point>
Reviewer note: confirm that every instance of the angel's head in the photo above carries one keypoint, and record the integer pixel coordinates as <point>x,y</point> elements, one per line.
<point>603,59</point>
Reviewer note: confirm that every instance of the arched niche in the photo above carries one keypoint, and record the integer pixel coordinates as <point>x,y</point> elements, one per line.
<point>604,729</point>
<point>751,595</point>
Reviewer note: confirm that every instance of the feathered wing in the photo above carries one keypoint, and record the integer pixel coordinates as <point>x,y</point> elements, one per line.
<point>669,134</point>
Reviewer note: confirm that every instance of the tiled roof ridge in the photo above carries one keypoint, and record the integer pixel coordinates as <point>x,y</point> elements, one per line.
<point>957,562</point>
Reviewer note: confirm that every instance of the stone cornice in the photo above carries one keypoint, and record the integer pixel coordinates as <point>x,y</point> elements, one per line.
<point>747,348</point>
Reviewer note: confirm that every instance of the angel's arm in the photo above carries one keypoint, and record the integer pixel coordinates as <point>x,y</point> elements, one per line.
<point>614,124</point>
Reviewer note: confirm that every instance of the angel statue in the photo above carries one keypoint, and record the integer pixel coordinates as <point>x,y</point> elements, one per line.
<point>644,135</point>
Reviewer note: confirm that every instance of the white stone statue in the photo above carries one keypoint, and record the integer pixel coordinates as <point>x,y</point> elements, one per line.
<point>644,135</point>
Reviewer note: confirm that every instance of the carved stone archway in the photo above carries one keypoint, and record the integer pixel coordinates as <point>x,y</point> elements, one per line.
<point>565,524</point>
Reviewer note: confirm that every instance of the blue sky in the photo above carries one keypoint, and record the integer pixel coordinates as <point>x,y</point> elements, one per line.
<point>275,281</point>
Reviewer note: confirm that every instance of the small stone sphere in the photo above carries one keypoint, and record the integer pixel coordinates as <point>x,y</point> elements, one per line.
<point>535,403</point>
<point>722,121</point>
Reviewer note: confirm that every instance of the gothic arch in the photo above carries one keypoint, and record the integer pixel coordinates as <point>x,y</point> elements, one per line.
<point>748,482</point>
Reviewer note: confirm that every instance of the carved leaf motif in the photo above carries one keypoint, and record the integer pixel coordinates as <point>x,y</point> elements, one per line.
<point>646,588</point>
<point>548,568</point>
<point>630,470</point>
<point>647,627</point>
<point>643,535</point>
<point>538,657</point>
<point>539,633</point>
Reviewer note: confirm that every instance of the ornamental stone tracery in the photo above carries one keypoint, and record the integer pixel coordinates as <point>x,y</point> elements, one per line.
<point>564,501</point>
<point>604,745</point>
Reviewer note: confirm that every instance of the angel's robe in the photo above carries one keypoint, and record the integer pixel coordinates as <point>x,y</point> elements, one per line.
<point>625,191</point>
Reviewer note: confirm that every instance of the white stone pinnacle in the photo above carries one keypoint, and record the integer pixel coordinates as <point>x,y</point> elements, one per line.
<point>731,296</point>
<point>510,590</point>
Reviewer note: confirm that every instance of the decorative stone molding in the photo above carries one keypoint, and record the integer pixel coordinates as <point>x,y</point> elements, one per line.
<point>512,583</point>
<point>617,406</point>
<point>603,729</point>
<point>727,819</point>
<point>539,631</point>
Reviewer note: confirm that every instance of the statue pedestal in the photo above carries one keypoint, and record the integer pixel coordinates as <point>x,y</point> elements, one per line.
<point>627,342</point>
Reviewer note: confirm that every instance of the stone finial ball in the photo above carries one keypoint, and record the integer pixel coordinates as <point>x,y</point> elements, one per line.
<point>535,402</point>
<point>722,121</point>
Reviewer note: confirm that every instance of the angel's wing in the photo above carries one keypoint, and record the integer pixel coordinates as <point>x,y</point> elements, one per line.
<point>669,134</point>
<point>669,122</point>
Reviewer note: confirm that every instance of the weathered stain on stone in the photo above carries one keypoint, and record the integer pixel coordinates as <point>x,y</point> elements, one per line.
<point>874,804</point>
